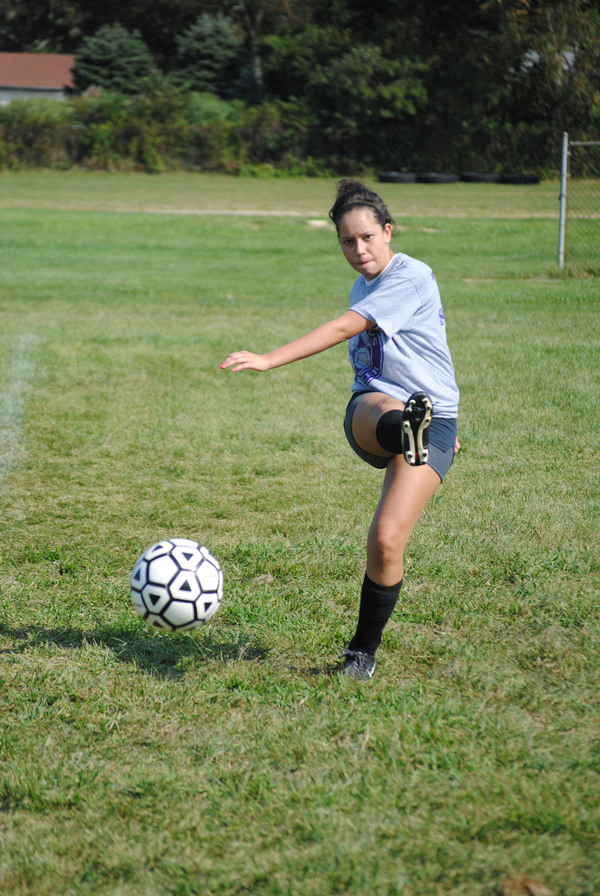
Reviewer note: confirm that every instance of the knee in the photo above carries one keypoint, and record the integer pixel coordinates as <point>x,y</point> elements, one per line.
<point>389,431</point>
<point>387,541</point>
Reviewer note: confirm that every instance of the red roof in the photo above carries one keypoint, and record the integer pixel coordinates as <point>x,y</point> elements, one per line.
<point>41,71</point>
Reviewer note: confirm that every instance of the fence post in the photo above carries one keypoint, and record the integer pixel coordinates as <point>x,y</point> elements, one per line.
<point>563,201</point>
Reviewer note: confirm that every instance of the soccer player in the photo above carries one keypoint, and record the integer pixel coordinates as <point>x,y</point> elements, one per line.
<point>402,413</point>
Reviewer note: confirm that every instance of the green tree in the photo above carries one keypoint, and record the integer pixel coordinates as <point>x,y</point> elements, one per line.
<point>362,102</point>
<point>208,54</point>
<point>293,55</point>
<point>260,18</point>
<point>558,80</point>
<point>114,59</point>
<point>34,27</point>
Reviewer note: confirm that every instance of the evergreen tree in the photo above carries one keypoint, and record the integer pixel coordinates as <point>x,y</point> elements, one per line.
<point>114,59</point>
<point>208,55</point>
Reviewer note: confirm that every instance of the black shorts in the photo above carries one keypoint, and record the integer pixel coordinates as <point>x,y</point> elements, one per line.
<point>442,437</point>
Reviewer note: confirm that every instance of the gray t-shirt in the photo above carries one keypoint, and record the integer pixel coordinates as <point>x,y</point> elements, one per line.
<point>407,350</point>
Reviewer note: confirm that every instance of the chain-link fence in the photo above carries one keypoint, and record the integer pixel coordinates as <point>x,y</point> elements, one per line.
<point>579,232</point>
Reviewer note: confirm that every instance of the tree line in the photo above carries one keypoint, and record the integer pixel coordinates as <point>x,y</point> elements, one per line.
<point>321,85</point>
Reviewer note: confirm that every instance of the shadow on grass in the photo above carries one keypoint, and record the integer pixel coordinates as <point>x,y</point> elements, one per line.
<point>158,654</point>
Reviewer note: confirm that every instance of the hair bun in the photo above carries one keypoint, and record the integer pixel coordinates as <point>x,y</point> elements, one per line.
<point>349,185</point>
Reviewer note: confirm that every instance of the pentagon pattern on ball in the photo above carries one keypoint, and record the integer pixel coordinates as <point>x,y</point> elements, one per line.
<point>176,585</point>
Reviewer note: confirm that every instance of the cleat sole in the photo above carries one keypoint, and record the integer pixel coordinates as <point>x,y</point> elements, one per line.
<point>417,416</point>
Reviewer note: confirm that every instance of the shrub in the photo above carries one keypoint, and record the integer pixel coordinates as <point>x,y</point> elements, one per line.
<point>206,108</point>
<point>165,128</point>
<point>99,120</point>
<point>35,133</point>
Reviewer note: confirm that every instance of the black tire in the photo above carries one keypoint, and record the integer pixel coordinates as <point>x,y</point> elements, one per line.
<point>396,177</point>
<point>431,178</point>
<point>519,179</point>
<point>479,177</point>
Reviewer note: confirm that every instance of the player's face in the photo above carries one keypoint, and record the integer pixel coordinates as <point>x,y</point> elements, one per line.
<point>365,243</point>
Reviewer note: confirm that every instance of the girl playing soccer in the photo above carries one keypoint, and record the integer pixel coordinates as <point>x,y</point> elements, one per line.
<point>402,413</point>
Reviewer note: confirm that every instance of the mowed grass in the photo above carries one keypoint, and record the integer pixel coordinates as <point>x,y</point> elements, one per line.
<point>232,760</point>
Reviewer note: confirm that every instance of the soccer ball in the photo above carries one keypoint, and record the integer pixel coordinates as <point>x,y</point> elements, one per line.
<point>176,585</point>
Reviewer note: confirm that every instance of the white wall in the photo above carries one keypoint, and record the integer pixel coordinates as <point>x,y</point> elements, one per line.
<point>9,93</point>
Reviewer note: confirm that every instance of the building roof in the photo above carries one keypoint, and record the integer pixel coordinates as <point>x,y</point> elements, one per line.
<point>36,71</point>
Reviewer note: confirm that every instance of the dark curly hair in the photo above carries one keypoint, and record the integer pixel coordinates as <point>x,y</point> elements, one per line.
<point>351,194</point>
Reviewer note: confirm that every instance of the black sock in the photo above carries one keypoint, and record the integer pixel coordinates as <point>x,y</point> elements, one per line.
<point>388,431</point>
<point>377,603</point>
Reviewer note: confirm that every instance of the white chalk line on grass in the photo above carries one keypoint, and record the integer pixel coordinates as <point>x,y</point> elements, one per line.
<point>431,212</point>
<point>12,404</point>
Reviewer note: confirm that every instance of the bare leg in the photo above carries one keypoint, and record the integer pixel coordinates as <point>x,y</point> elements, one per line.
<point>405,494</point>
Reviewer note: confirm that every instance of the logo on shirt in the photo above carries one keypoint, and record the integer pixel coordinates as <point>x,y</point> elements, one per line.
<point>442,318</point>
<point>366,355</point>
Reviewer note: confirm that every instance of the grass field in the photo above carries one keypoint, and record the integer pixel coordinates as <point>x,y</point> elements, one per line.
<point>232,760</point>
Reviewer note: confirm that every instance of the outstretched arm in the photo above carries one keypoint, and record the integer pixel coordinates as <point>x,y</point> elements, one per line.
<point>325,336</point>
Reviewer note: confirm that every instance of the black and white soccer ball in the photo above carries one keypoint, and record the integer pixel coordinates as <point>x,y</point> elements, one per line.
<point>176,585</point>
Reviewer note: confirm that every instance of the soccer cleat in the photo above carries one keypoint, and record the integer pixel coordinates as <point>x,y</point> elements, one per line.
<point>416,418</point>
<point>358,665</point>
